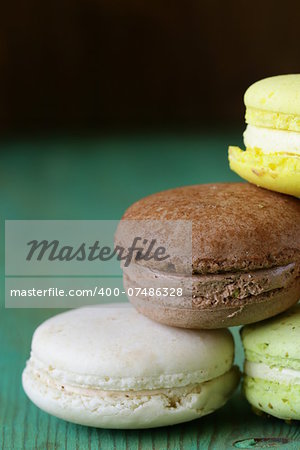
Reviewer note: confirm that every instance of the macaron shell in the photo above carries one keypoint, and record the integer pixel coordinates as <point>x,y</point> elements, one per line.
<point>275,341</point>
<point>279,94</point>
<point>271,141</point>
<point>277,399</point>
<point>130,410</point>
<point>272,120</point>
<point>235,226</point>
<point>274,171</point>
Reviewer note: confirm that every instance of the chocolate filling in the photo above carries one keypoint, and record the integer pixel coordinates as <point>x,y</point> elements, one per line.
<point>241,285</point>
<point>213,289</point>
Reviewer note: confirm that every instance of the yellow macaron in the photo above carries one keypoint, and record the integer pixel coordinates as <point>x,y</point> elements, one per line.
<point>272,136</point>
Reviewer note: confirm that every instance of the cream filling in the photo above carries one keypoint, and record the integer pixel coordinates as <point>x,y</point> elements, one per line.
<point>272,141</point>
<point>107,383</point>
<point>277,374</point>
<point>93,390</point>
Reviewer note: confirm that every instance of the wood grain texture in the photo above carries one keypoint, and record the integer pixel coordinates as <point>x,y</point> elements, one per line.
<point>93,179</point>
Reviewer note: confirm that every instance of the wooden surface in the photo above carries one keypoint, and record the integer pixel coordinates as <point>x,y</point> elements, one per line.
<point>98,179</point>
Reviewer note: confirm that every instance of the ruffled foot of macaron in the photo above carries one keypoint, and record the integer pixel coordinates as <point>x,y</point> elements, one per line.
<point>272,137</point>
<point>272,366</point>
<point>111,367</point>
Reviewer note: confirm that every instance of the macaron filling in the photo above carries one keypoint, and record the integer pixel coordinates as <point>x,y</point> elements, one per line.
<point>272,141</point>
<point>85,387</point>
<point>212,289</point>
<point>108,383</point>
<point>271,373</point>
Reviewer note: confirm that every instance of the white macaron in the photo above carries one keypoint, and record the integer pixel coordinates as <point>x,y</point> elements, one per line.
<point>110,367</point>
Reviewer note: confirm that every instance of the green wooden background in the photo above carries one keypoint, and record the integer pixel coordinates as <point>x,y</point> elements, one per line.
<point>93,178</point>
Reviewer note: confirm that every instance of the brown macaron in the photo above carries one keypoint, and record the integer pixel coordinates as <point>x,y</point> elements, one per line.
<point>244,263</point>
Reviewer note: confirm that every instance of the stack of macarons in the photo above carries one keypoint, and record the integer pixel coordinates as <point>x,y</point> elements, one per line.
<point>168,358</point>
<point>272,160</point>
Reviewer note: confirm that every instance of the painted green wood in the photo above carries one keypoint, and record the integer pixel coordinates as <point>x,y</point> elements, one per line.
<point>97,179</point>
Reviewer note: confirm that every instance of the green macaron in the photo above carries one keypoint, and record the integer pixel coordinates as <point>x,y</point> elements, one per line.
<point>272,364</point>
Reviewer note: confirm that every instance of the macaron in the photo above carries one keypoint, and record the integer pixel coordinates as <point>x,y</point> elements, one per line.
<point>110,367</point>
<point>272,366</point>
<point>244,260</point>
<point>272,136</point>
